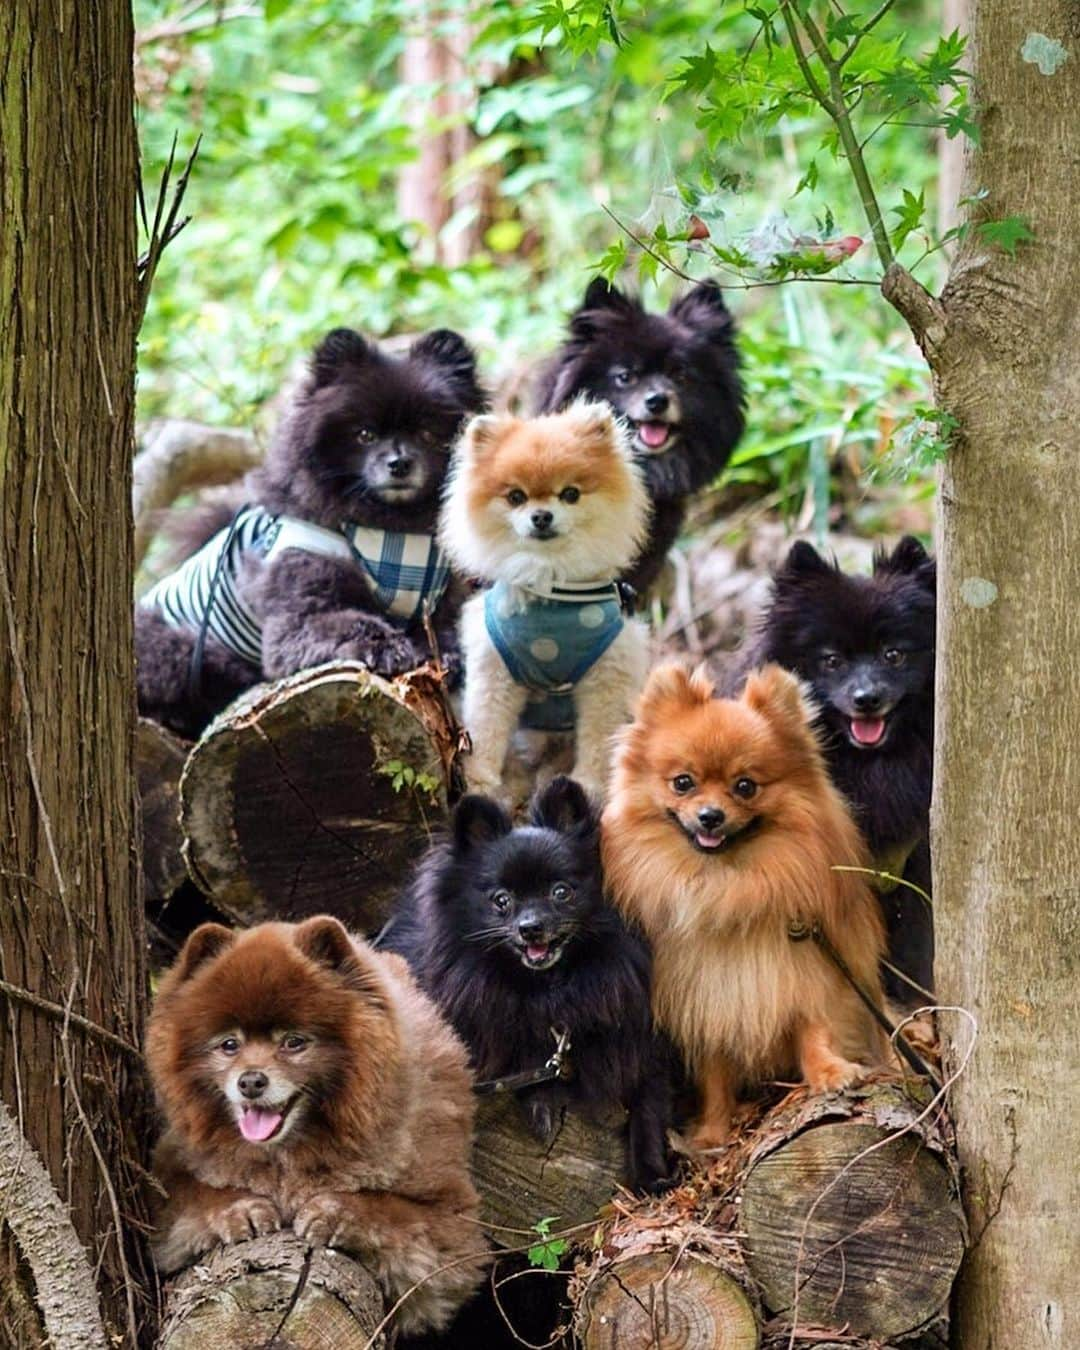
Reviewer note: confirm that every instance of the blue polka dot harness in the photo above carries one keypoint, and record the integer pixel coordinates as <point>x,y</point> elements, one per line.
<point>549,641</point>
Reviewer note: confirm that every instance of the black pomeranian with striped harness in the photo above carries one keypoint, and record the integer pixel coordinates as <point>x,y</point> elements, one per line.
<point>334,555</point>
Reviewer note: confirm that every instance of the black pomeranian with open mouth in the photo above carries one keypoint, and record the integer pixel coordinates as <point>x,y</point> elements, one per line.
<point>674,377</point>
<point>509,932</point>
<point>865,645</point>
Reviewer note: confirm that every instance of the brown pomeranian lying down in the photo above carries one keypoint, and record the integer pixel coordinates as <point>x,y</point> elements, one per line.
<point>723,830</point>
<point>307,1083</point>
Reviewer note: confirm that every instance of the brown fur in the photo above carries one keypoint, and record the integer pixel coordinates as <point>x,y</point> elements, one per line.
<point>743,1001</point>
<point>374,1152</point>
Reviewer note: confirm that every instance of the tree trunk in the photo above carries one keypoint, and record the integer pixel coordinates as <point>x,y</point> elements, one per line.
<point>1003,344</point>
<point>70,926</point>
<point>267,1292</point>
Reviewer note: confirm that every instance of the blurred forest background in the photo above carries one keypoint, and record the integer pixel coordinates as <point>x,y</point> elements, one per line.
<point>394,167</point>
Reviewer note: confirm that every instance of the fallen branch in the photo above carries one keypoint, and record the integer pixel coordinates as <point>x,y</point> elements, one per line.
<point>46,1237</point>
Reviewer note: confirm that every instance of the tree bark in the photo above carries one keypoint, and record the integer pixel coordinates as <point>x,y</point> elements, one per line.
<point>1004,828</point>
<point>70,924</point>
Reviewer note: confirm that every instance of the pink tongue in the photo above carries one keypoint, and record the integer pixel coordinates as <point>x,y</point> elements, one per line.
<point>710,840</point>
<point>257,1125</point>
<point>654,434</point>
<point>536,953</point>
<point>868,730</point>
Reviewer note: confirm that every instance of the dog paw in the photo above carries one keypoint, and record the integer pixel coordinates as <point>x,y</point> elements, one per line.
<point>394,656</point>
<point>830,1075</point>
<point>708,1135</point>
<point>253,1216</point>
<point>327,1220</point>
<point>544,1116</point>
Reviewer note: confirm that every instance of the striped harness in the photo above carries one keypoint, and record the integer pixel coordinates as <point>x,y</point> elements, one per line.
<point>403,572</point>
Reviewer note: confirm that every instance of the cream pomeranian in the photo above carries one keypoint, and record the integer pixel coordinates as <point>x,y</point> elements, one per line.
<point>548,511</point>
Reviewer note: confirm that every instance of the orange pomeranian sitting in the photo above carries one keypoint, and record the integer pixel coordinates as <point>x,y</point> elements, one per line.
<point>721,834</point>
<point>307,1083</point>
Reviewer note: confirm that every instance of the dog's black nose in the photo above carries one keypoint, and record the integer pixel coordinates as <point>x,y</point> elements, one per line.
<point>253,1083</point>
<point>530,930</point>
<point>710,817</point>
<point>866,700</point>
<point>541,520</point>
<point>400,466</point>
<point>657,403</point>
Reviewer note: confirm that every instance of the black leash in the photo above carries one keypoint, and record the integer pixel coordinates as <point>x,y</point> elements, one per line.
<point>554,1067</point>
<point>194,680</point>
<point>799,932</point>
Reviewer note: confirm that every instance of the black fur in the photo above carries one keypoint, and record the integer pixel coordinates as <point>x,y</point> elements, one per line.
<point>470,956</point>
<point>817,611</point>
<point>687,355</point>
<point>360,418</point>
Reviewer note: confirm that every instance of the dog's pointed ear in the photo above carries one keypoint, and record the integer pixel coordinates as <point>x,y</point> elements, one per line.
<point>482,434</point>
<point>781,697</point>
<point>341,347</point>
<point>326,941</point>
<point>803,560</point>
<point>704,308</point>
<point>206,942</point>
<point>600,298</point>
<point>593,421</point>
<point>564,806</point>
<point>477,821</point>
<point>452,353</point>
<point>674,685</point>
<point>908,558</point>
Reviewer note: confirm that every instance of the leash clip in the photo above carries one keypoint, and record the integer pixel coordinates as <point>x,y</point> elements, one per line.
<point>557,1064</point>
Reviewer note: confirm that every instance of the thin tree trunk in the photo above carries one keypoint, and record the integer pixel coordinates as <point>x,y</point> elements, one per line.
<point>70,925</point>
<point>1003,343</point>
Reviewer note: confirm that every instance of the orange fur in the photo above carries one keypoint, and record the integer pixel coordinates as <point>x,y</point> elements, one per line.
<point>743,1000</point>
<point>543,455</point>
<point>375,1158</point>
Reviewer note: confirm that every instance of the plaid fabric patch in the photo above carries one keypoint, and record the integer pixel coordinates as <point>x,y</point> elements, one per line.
<point>404,570</point>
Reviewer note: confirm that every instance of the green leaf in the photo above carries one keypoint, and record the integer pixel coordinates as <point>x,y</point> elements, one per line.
<point>911,216</point>
<point>273,9</point>
<point>1007,234</point>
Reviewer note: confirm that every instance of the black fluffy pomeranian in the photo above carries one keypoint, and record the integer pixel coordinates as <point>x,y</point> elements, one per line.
<point>335,555</point>
<point>674,377</point>
<point>509,932</point>
<point>865,645</point>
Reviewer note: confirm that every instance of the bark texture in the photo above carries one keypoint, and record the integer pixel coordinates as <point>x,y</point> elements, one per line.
<point>70,927</point>
<point>1006,843</point>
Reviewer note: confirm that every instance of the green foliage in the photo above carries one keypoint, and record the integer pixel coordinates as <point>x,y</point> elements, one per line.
<point>404,776</point>
<point>665,115</point>
<point>549,1251</point>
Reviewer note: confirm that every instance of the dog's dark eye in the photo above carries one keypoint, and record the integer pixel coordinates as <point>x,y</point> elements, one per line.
<point>516,497</point>
<point>294,1042</point>
<point>570,495</point>
<point>682,783</point>
<point>229,1046</point>
<point>744,787</point>
<point>622,377</point>
<point>501,901</point>
<point>832,661</point>
<point>561,892</point>
<point>365,435</point>
<point>893,656</point>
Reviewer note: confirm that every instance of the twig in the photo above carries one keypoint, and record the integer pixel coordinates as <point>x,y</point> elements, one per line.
<point>166,226</point>
<point>61,1014</point>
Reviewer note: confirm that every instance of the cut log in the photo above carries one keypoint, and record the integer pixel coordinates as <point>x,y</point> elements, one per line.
<point>850,1214</point>
<point>316,794</point>
<point>521,1179</point>
<point>159,761</point>
<point>267,1292</point>
<point>666,1297</point>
